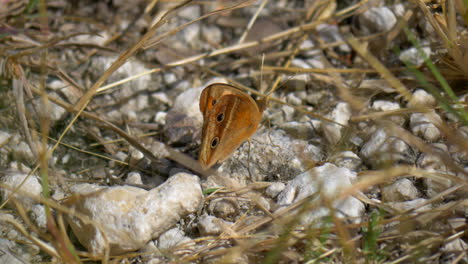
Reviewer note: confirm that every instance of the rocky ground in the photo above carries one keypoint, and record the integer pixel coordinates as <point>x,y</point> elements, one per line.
<point>361,156</point>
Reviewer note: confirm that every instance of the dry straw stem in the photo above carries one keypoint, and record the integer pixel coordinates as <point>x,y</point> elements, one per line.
<point>281,54</point>
<point>252,21</point>
<point>150,43</point>
<point>446,29</point>
<point>61,210</point>
<point>297,70</point>
<point>396,112</point>
<point>86,98</point>
<point>284,34</point>
<point>324,17</point>
<point>418,143</point>
<point>320,10</point>
<point>356,103</point>
<point>172,154</point>
<point>285,221</point>
<point>20,228</point>
<point>18,91</point>
<point>368,179</point>
<point>361,49</point>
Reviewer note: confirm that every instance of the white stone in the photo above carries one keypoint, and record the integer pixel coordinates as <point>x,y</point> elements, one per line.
<point>225,208</point>
<point>329,181</point>
<point>53,111</point>
<point>8,256</point>
<point>401,190</point>
<point>316,62</point>
<point>22,151</point>
<point>171,238</point>
<point>115,115</point>
<point>455,246</point>
<point>160,118</point>
<point>142,102</point>
<point>191,35</point>
<point>422,124</point>
<point>431,160</point>
<point>381,148</point>
<point>150,252</point>
<point>39,215</point>
<point>213,33</point>
<point>408,205</point>
<point>413,56</point>
<point>4,137</point>
<point>399,10</point>
<point>129,115</point>
<point>170,78</point>
<point>129,68</point>
<point>135,154</point>
<point>271,154</point>
<point>121,155</point>
<point>274,189</point>
<point>346,159</point>
<point>130,216</point>
<point>300,130</point>
<point>66,158</point>
<point>25,195</point>
<point>134,178</point>
<point>341,114</point>
<point>184,120</point>
<point>422,98</point>
<point>292,99</point>
<point>456,222</point>
<point>299,81</point>
<point>159,149</point>
<point>161,98</point>
<point>58,195</point>
<point>210,226</point>
<point>288,112</point>
<point>190,12</point>
<point>382,105</point>
<point>377,20</point>
<point>436,186</point>
<point>330,33</point>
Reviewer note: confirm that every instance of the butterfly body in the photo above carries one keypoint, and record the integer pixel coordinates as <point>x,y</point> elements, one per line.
<point>230,117</point>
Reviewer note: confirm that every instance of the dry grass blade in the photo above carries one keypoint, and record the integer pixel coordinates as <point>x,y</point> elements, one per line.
<point>61,208</point>
<point>378,66</point>
<point>83,102</point>
<point>401,138</point>
<point>180,158</point>
<point>85,99</point>
<point>398,112</point>
<point>20,228</point>
<point>241,46</point>
<point>296,70</point>
<point>252,21</point>
<point>447,33</point>
<point>150,43</point>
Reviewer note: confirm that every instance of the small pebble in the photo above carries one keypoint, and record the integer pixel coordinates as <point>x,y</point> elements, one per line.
<point>401,190</point>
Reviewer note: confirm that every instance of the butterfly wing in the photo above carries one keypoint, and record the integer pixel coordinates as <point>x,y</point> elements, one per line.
<point>230,117</point>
